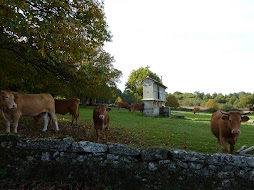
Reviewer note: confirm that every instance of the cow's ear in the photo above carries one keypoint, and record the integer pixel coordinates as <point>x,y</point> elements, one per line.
<point>108,109</point>
<point>225,117</point>
<point>245,118</point>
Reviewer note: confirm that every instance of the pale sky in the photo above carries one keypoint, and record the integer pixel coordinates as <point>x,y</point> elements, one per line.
<point>195,45</point>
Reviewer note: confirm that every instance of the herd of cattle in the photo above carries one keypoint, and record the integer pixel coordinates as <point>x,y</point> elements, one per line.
<point>224,125</point>
<point>14,105</point>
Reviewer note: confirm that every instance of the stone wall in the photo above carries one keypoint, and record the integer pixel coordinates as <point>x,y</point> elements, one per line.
<point>121,167</point>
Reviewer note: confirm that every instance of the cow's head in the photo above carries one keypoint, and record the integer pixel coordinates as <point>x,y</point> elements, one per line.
<point>102,110</point>
<point>7,99</point>
<point>235,118</point>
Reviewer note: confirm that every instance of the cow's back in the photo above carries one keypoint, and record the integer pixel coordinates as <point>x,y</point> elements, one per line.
<point>34,104</point>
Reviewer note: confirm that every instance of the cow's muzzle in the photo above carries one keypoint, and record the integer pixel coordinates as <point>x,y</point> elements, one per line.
<point>13,106</point>
<point>235,131</point>
<point>101,116</point>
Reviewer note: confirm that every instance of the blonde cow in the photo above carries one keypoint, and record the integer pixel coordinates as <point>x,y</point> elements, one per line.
<point>30,105</point>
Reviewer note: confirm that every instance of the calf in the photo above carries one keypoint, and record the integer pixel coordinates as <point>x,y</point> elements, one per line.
<point>101,121</point>
<point>30,105</point>
<point>196,110</point>
<point>124,105</point>
<point>137,106</point>
<point>226,128</point>
<point>7,100</point>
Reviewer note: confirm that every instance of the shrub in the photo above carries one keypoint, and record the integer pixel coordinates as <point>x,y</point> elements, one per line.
<point>211,110</point>
<point>211,105</point>
<point>171,101</point>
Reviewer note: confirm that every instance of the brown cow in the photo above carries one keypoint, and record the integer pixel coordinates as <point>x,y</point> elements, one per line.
<point>124,105</point>
<point>226,127</point>
<point>7,100</point>
<point>101,120</point>
<point>196,110</point>
<point>31,105</point>
<point>68,106</point>
<point>137,106</point>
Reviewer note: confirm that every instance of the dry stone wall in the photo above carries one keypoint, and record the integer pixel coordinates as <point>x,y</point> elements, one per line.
<point>120,166</point>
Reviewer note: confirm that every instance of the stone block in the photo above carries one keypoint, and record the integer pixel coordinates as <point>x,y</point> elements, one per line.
<point>89,147</point>
<point>123,150</point>
<point>154,154</point>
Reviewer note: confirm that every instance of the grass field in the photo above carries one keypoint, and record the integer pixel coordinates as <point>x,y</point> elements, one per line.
<point>191,133</point>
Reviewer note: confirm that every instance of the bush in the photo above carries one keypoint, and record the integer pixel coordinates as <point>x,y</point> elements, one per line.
<point>211,110</point>
<point>171,101</point>
<point>211,105</point>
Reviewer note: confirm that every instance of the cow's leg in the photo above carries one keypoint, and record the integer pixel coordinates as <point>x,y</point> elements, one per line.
<point>16,122</point>
<point>77,119</point>
<point>97,134</point>
<point>224,144</point>
<point>232,146</point>
<point>219,145</point>
<point>106,134</point>
<point>103,130</point>
<point>8,126</point>
<point>46,120</point>
<point>54,118</point>
<point>7,118</point>
<point>8,122</point>
<point>72,121</point>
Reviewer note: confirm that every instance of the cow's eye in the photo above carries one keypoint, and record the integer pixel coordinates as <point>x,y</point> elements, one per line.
<point>6,97</point>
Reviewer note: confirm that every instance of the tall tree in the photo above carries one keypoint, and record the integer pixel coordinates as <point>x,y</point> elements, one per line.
<point>134,83</point>
<point>50,44</point>
<point>61,30</point>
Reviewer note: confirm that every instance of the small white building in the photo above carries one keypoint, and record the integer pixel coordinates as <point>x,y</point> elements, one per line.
<point>154,98</point>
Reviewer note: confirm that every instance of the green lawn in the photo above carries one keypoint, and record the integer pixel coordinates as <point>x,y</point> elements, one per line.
<point>191,133</point>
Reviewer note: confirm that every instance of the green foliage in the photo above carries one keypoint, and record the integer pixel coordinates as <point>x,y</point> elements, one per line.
<point>220,99</point>
<point>119,99</point>
<point>61,30</point>
<point>56,47</point>
<point>128,97</point>
<point>231,101</point>
<point>135,79</point>
<point>171,101</point>
<point>191,102</point>
<point>211,104</point>
<point>245,101</point>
